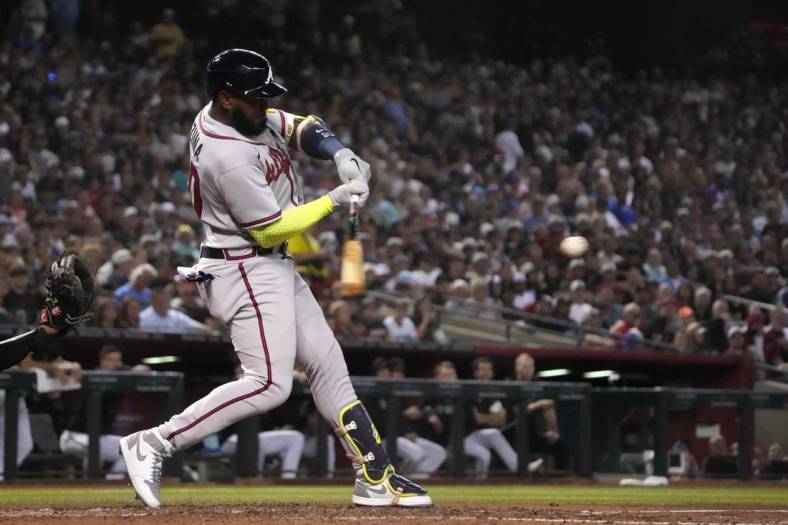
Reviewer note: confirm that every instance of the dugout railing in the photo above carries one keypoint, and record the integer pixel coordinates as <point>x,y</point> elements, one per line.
<point>661,401</point>
<point>579,398</point>
<point>95,385</point>
<point>15,384</point>
<point>461,393</point>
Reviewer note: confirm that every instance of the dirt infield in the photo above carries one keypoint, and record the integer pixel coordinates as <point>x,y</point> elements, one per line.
<point>183,514</point>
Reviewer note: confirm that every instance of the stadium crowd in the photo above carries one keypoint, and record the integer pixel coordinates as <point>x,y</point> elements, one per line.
<point>480,168</point>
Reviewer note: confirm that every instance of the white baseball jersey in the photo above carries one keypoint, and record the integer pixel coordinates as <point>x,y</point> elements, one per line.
<point>239,182</point>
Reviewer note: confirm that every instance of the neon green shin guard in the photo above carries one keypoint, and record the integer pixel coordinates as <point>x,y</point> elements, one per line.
<point>363,442</point>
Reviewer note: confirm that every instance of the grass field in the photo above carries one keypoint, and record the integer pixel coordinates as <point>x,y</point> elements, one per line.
<point>564,504</point>
<point>684,495</point>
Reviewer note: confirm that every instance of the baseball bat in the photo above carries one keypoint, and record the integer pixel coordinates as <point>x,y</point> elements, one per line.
<point>352,269</point>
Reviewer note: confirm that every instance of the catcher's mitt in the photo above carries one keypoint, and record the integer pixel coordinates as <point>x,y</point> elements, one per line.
<point>70,293</point>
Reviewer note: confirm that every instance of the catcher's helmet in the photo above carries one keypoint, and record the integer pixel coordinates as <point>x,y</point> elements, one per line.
<point>242,72</point>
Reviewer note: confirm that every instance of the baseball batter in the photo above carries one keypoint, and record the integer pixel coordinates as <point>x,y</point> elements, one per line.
<point>249,198</point>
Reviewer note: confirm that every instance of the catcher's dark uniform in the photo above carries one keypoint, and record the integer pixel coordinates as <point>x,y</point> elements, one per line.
<point>69,297</point>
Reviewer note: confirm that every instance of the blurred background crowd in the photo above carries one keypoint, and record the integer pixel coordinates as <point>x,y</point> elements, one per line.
<point>678,177</point>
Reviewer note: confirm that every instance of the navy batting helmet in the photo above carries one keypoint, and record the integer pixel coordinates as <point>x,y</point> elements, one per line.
<point>242,72</point>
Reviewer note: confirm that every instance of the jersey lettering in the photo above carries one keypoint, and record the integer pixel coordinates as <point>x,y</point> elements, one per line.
<point>276,165</point>
<point>194,186</point>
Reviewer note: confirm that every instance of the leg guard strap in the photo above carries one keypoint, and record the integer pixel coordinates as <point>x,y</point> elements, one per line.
<point>344,430</point>
<point>364,443</point>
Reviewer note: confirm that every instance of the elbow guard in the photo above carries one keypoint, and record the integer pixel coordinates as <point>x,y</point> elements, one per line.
<point>316,140</point>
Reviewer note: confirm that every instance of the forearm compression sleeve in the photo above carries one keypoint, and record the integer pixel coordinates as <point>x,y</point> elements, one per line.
<point>293,221</point>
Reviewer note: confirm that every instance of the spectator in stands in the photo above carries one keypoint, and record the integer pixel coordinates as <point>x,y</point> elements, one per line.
<point>427,271</point>
<point>702,304</point>
<point>6,317</point>
<point>737,344</point>
<point>167,37</point>
<point>340,320</point>
<point>486,419</point>
<point>610,309</point>
<point>428,328</point>
<point>682,339</point>
<point>482,301</point>
<point>159,317</point>
<point>138,287</point>
<point>189,302</point>
<point>369,319</point>
<point>115,272</point>
<point>626,330</point>
<point>757,289</point>
<point>580,309</point>
<point>716,329</point>
<point>107,314</point>
<point>544,436</point>
<point>22,300</point>
<point>129,314</point>
<point>459,293</point>
<point>653,268</point>
<point>525,296</point>
<point>112,173</point>
<point>546,308</point>
<point>399,326</point>
<point>775,339</point>
<point>185,246</point>
<point>754,337</point>
<point>696,337</point>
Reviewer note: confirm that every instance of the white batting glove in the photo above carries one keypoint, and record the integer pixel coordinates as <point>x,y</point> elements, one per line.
<point>341,195</point>
<point>351,167</point>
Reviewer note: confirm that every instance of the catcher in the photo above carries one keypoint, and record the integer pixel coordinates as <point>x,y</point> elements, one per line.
<point>69,286</point>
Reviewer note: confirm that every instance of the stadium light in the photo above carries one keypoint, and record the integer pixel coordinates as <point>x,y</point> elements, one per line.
<point>161,359</point>
<point>554,372</point>
<point>599,374</point>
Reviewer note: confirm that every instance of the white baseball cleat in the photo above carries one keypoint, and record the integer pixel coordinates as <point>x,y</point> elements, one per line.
<point>144,453</point>
<point>394,491</point>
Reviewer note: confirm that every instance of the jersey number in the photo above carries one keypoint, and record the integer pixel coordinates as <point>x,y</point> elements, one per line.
<point>194,186</point>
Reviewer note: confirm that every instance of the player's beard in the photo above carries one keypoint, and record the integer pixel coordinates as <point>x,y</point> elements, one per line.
<point>245,125</point>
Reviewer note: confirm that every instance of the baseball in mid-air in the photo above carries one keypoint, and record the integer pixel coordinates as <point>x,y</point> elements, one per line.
<point>574,246</point>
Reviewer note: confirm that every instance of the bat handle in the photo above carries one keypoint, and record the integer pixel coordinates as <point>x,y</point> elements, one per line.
<point>354,200</point>
<point>354,216</point>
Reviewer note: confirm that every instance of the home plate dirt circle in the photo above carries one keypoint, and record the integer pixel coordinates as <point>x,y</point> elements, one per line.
<point>183,514</point>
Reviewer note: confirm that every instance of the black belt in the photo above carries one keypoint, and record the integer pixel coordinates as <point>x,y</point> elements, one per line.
<point>209,252</point>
